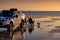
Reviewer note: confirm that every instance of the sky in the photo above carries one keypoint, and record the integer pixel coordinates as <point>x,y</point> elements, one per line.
<point>31,5</point>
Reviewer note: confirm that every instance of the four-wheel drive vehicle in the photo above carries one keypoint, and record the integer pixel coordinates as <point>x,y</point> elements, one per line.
<point>11,19</point>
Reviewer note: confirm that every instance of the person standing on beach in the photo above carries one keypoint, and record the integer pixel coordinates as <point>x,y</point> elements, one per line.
<point>30,28</point>
<point>30,20</point>
<point>22,27</point>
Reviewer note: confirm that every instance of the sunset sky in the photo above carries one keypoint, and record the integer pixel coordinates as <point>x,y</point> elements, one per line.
<point>31,5</point>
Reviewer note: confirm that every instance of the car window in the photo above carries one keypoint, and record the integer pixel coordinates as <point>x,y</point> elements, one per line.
<point>6,14</point>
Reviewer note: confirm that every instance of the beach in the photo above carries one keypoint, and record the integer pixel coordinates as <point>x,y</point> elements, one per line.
<point>49,30</point>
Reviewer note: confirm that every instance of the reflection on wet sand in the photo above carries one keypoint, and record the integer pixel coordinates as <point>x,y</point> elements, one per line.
<point>55,19</point>
<point>47,31</point>
<point>56,30</point>
<point>48,25</point>
<point>57,27</point>
<point>48,21</point>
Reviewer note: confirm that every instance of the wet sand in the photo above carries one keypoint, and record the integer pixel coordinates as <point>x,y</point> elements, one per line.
<point>47,31</point>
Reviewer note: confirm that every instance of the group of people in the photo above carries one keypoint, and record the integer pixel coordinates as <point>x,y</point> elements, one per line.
<point>30,27</point>
<point>23,22</point>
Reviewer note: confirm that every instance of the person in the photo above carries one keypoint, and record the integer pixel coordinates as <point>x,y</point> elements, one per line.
<point>21,27</point>
<point>31,27</point>
<point>30,20</point>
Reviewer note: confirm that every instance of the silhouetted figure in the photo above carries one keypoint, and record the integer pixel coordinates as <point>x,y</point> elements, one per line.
<point>38,24</point>
<point>31,26</point>
<point>22,27</point>
<point>30,20</point>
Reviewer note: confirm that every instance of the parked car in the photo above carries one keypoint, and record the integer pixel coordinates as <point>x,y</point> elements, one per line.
<point>11,19</point>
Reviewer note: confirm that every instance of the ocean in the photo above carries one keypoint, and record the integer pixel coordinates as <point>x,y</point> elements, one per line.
<point>42,13</point>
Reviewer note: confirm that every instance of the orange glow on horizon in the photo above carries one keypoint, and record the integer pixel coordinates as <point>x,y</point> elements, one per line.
<point>35,5</point>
